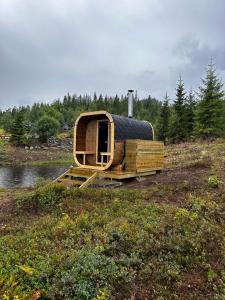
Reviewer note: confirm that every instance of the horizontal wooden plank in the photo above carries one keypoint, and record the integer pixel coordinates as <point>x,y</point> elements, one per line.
<point>137,141</point>
<point>84,152</point>
<point>149,159</point>
<point>148,170</point>
<point>144,155</point>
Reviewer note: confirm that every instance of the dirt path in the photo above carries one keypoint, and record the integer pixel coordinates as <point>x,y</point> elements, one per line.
<point>191,177</point>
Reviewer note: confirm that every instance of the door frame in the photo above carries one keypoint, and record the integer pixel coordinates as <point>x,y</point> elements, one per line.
<point>97,134</point>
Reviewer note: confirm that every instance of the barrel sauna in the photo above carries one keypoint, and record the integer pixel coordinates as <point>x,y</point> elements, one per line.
<point>100,138</point>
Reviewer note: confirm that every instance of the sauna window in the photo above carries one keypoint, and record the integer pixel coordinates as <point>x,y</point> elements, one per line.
<point>103,137</point>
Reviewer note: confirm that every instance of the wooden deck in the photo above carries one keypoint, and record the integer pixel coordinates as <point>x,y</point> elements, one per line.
<point>83,178</point>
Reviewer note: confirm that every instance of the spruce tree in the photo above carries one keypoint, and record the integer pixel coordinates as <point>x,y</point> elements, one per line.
<point>210,116</point>
<point>18,130</point>
<point>95,98</point>
<point>178,131</point>
<point>163,121</point>
<point>190,111</point>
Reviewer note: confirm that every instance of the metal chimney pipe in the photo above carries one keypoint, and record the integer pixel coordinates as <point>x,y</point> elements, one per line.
<point>130,103</point>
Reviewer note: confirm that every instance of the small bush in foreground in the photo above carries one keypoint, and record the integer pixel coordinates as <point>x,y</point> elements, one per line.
<point>45,198</point>
<point>213,181</point>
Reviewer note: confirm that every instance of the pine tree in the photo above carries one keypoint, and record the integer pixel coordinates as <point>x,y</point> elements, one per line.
<point>116,105</point>
<point>100,103</point>
<point>190,111</point>
<point>163,121</point>
<point>95,98</point>
<point>178,131</point>
<point>210,116</point>
<point>18,130</point>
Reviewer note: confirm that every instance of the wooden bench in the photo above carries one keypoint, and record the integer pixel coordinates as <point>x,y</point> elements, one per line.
<point>84,153</point>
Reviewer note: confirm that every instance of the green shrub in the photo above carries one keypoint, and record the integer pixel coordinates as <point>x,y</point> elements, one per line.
<point>44,198</point>
<point>39,182</point>
<point>213,181</point>
<point>85,272</point>
<point>102,295</point>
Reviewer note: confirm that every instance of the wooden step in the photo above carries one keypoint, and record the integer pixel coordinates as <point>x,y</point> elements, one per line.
<point>69,182</point>
<point>106,183</point>
<point>89,181</point>
<point>85,177</point>
<point>81,171</point>
<point>78,175</point>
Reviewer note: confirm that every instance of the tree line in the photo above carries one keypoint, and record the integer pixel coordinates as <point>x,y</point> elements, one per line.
<point>191,115</point>
<point>42,120</point>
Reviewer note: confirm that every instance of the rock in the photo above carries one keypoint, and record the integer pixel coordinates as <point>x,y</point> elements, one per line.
<point>26,148</point>
<point>31,147</point>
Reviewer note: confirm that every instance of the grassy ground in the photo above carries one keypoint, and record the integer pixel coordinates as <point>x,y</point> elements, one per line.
<point>10,155</point>
<point>162,238</point>
<point>3,154</point>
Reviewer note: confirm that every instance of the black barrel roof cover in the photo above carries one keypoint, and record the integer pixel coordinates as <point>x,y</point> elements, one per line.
<point>129,128</point>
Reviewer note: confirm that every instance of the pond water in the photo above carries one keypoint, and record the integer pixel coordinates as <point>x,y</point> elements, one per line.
<point>26,176</point>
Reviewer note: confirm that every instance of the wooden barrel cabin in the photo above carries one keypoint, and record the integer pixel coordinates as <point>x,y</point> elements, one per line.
<point>104,141</point>
<point>108,148</point>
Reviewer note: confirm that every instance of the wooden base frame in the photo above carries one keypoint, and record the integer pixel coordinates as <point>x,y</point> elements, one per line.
<point>83,178</point>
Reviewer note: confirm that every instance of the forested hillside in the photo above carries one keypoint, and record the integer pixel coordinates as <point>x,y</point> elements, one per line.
<point>62,114</point>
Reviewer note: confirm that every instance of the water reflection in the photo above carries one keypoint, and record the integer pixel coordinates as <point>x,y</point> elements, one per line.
<point>25,176</point>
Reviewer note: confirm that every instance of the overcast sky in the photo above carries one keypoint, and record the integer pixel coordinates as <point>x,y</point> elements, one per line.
<point>51,47</point>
